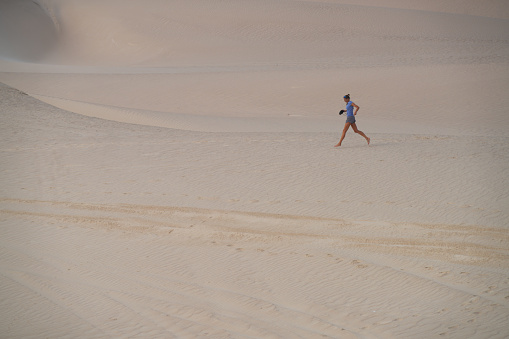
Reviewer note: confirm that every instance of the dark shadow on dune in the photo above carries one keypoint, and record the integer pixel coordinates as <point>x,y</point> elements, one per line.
<point>27,32</point>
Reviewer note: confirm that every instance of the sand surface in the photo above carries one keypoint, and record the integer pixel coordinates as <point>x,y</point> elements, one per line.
<point>168,171</point>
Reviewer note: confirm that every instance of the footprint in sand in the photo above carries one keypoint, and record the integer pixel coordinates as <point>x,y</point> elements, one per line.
<point>470,301</point>
<point>359,264</point>
<point>490,290</point>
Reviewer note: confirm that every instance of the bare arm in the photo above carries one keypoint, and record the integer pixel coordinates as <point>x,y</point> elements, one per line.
<point>356,108</point>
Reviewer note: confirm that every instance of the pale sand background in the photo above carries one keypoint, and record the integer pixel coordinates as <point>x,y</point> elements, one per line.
<point>197,194</point>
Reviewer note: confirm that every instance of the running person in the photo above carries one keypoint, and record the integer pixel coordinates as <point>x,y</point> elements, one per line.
<point>350,120</point>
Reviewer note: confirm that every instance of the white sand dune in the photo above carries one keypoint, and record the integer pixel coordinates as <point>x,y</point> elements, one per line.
<point>171,172</point>
<point>147,271</point>
<point>119,230</point>
<point>270,59</point>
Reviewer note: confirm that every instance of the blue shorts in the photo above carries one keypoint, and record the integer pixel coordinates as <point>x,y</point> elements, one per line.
<point>350,119</point>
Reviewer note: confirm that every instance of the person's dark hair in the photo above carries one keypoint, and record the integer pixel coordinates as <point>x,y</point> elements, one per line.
<point>347,96</point>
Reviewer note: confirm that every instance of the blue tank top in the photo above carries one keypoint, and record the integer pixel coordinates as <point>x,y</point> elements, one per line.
<point>349,109</point>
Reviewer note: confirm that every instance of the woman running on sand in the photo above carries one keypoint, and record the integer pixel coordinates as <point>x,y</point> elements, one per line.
<point>350,120</point>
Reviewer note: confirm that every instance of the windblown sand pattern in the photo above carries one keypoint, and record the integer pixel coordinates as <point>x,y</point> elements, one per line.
<point>168,171</point>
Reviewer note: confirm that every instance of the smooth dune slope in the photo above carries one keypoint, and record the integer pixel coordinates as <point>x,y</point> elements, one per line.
<point>27,32</point>
<point>284,60</point>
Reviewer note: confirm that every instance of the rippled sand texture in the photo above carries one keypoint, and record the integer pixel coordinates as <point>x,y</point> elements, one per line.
<point>168,171</point>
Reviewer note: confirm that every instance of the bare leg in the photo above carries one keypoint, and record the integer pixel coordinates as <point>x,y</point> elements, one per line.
<point>347,126</point>
<point>354,126</point>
